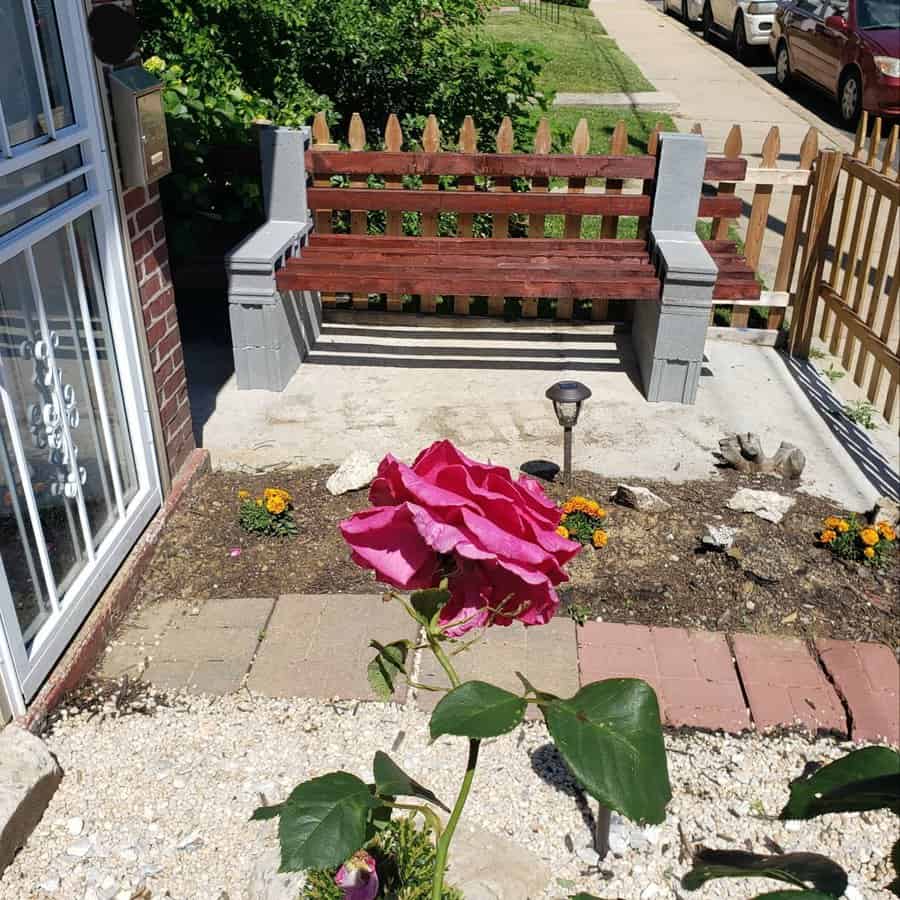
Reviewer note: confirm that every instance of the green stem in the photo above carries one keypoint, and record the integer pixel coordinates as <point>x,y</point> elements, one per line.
<point>443,845</point>
<point>444,660</point>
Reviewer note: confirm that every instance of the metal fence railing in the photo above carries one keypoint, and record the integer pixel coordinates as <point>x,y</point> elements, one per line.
<point>546,10</point>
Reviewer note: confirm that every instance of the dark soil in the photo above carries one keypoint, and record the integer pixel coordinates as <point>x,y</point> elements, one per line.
<point>652,572</point>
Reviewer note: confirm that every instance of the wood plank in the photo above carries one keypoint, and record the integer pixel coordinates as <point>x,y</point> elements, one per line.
<point>524,246</point>
<point>733,145</point>
<point>465,184</point>
<point>778,177</point>
<point>322,217</point>
<point>359,219</point>
<point>795,215</point>
<point>393,141</point>
<point>857,327</point>
<point>431,143</point>
<point>502,185</point>
<point>609,226</point>
<point>539,185</point>
<point>643,228</point>
<point>603,268</point>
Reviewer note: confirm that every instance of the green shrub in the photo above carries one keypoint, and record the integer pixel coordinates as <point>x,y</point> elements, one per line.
<point>272,513</point>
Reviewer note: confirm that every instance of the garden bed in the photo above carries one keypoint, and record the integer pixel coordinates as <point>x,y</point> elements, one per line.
<point>652,572</point>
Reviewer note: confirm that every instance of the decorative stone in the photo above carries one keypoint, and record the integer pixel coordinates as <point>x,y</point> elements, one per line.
<point>744,452</point>
<point>29,776</point>
<point>719,537</point>
<point>355,473</point>
<point>884,510</point>
<point>639,498</point>
<point>488,867</point>
<point>267,883</point>
<point>767,505</point>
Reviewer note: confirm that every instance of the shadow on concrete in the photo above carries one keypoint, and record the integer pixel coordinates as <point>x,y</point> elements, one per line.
<point>209,363</point>
<point>875,467</point>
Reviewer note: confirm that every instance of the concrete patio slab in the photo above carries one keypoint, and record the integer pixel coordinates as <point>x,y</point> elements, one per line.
<point>397,388</point>
<point>318,645</point>
<point>868,678</point>
<point>209,651</point>
<point>139,639</point>
<point>785,686</point>
<point>546,656</point>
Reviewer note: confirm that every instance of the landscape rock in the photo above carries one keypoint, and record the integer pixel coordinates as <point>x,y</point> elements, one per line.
<point>885,510</point>
<point>768,505</point>
<point>355,473</point>
<point>29,776</point>
<point>488,867</point>
<point>719,537</point>
<point>266,883</point>
<point>744,452</point>
<point>639,498</point>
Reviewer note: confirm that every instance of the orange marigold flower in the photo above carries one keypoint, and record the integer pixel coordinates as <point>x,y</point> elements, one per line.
<point>827,536</point>
<point>600,513</point>
<point>276,505</point>
<point>600,538</point>
<point>833,522</point>
<point>869,536</point>
<point>592,507</point>
<point>243,495</point>
<point>869,553</point>
<point>886,531</point>
<point>843,526</point>
<point>562,531</point>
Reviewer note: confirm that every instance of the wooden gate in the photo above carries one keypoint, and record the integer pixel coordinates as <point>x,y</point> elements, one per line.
<point>850,270</point>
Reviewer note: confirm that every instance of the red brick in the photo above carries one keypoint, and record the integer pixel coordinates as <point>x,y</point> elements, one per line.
<point>161,304</point>
<point>150,288</point>
<point>134,199</point>
<point>868,678</point>
<point>155,332</point>
<point>132,228</point>
<point>785,686</point>
<point>609,650</point>
<point>141,246</point>
<point>159,231</point>
<point>167,411</point>
<point>164,347</point>
<point>173,382</point>
<point>147,216</point>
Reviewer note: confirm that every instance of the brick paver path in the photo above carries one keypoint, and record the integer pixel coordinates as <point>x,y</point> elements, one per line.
<point>318,646</point>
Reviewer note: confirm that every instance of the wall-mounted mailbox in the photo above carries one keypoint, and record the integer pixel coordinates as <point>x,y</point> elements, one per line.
<point>140,123</point>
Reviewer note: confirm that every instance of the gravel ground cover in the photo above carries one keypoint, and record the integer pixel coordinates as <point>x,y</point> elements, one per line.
<point>160,802</point>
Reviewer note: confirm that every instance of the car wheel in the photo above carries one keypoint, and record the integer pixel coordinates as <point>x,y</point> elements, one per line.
<point>783,73</point>
<point>850,99</point>
<point>739,40</point>
<point>707,22</point>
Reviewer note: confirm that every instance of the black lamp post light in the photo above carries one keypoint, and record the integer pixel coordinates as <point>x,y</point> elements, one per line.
<point>567,397</point>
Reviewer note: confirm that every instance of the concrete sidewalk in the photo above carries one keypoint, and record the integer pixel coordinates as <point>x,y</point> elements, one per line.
<point>318,646</point>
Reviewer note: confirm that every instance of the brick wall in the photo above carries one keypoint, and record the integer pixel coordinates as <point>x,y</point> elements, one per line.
<point>147,235</point>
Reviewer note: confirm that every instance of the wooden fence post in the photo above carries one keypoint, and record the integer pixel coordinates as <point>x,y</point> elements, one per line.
<point>542,144</point>
<point>431,143</point>
<point>581,143</point>
<point>468,143</point>
<point>505,144</point>
<point>643,227</point>
<point>734,143</point>
<point>828,168</point>
<point>359,219</point>
<point>393,142</point>
<point>322,141</point>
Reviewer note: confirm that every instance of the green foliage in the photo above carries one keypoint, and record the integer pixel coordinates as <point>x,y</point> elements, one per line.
<point>609,733</point>
<point>800,869</point>
<point>873,545</point>
<point>404,857</point>
<point>392,781</point>
<point>583,522</point>
<point>861,412</point>
<point>862,780</point>
<point>834,375</point>
<point>270,514</point>
<point>477,710</point>
<point>386,666</point>
<point>579,612</point>
<point>323,822</point>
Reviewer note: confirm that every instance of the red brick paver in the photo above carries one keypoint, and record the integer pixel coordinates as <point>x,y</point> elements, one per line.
<point>785,686</point>
<point>868,678</point>
<point>691,671</point>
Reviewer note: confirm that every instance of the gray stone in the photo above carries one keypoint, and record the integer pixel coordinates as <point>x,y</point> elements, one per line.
<point>355,473</point>
<point>29,776</point>
<point>488,867</point>
<point>885,510</point>
<point>719,537</point>
<point>767,505</point>
<point>656,101</point>
<point>639,498</point>
<point>266,883</point>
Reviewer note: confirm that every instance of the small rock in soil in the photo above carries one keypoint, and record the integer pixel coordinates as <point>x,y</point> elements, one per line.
<point>354,473</point>
<point>719,537</point>
<point>768,505</point>
<point>639,498</point>
<point>885,510</point>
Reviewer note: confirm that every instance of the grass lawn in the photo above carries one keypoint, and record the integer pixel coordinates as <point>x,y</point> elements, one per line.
<point>582,58</point>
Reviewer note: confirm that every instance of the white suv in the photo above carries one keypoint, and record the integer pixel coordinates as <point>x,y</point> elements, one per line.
<point>745,24</point>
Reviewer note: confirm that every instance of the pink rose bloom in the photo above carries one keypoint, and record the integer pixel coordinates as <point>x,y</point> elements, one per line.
<point>358,877</point>
<point>493,536</point>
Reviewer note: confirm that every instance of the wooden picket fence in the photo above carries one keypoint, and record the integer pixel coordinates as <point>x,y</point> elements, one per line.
<point>766,314</point>
<point>848,290</point>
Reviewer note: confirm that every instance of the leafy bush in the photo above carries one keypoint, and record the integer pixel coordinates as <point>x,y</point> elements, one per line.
<point>582,521</point>
<point>228,63</point>
<point>269,514</point>
<point>858,541</point>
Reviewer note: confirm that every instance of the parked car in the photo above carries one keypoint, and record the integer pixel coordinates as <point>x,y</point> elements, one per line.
<point>691,11</point>
<point>743,23</point>
<point>849,48</point>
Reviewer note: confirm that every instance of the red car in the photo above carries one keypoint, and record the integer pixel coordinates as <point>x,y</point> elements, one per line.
<point>850,48</point>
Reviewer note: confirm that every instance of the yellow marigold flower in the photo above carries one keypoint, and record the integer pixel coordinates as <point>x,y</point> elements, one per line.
<point>259,503</point>
<point>869,536</point>
<point>600,538</point>
<point>869,553</point>
<point>243,495</point>
<point>592,507</point>
<point>833,522</point>
<point>843,526</point>
<point>600,512</point>
<point>562,531</point>
<point>827,536</point>
<point>276,505</point>
<point>886,531</point>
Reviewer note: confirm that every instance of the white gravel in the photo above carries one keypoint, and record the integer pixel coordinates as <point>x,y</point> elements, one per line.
<point>163,801</point>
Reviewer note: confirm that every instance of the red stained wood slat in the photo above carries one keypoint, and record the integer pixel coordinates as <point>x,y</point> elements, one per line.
<point>728,288</point>
<point>347,243</point>
<point>335,256</point>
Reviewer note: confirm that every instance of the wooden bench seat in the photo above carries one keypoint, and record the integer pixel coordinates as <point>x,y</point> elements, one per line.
<point>510,267</point>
